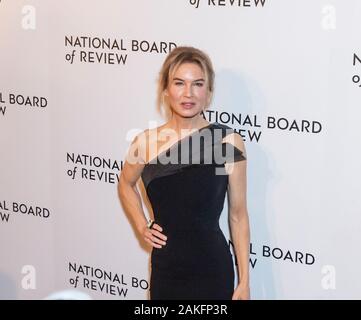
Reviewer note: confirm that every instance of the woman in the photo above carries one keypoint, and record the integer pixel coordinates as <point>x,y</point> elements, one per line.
<point>190,256</point>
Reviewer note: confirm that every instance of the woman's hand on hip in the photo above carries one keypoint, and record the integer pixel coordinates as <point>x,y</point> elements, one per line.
<point>154,235</point>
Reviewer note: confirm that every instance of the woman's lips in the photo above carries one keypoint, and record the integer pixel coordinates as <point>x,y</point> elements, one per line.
<point>188,105</point>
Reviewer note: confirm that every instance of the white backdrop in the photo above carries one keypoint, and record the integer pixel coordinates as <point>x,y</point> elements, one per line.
<point>78,77</point>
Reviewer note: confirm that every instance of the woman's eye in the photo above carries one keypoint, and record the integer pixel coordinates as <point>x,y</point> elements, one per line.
<point>199,84</point>
<point>178,83</point>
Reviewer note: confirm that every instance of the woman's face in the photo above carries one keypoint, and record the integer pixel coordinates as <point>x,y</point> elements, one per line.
<point>187,90</point>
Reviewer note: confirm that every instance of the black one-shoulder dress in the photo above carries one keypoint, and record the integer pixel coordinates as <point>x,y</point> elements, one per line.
<point>186,186</point>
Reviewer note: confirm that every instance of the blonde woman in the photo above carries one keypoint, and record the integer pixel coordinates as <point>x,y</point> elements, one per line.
<point>187,166</point>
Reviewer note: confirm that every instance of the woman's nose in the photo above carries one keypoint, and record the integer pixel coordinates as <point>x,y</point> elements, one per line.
<point>188,91</point>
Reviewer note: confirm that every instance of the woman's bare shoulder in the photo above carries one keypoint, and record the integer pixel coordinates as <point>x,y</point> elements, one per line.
<point>146,141</point>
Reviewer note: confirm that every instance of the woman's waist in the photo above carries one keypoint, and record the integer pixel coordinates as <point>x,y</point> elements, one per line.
<point>191,227</point>
<point>192,244</point>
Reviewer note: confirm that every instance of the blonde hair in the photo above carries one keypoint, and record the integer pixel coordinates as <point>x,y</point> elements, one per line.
<point>172,62</point>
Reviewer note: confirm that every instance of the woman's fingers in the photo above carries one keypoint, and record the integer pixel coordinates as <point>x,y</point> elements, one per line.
<point>152,243</point>
<point>157,229</point>
<point>159,235</point>
<point>155,237</point>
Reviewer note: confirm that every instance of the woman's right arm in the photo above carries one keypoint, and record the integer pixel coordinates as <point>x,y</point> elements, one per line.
<point>130,197</point>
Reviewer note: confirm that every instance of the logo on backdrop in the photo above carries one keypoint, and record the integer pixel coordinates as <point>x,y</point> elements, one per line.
<point>228,3</point>
<point>356,62</point>
<point>10,209</point>
<point>84,49</point>
<point>250,126</point>
<point>93,168</point>
<point>21,101</point>
<point>275,253</point>
<point>104,281</point>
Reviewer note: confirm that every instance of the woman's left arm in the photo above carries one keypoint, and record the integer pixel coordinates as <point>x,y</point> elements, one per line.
<point>238,216</point>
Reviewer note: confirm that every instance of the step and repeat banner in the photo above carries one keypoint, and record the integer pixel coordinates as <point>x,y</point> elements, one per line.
<point>78,80</point>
